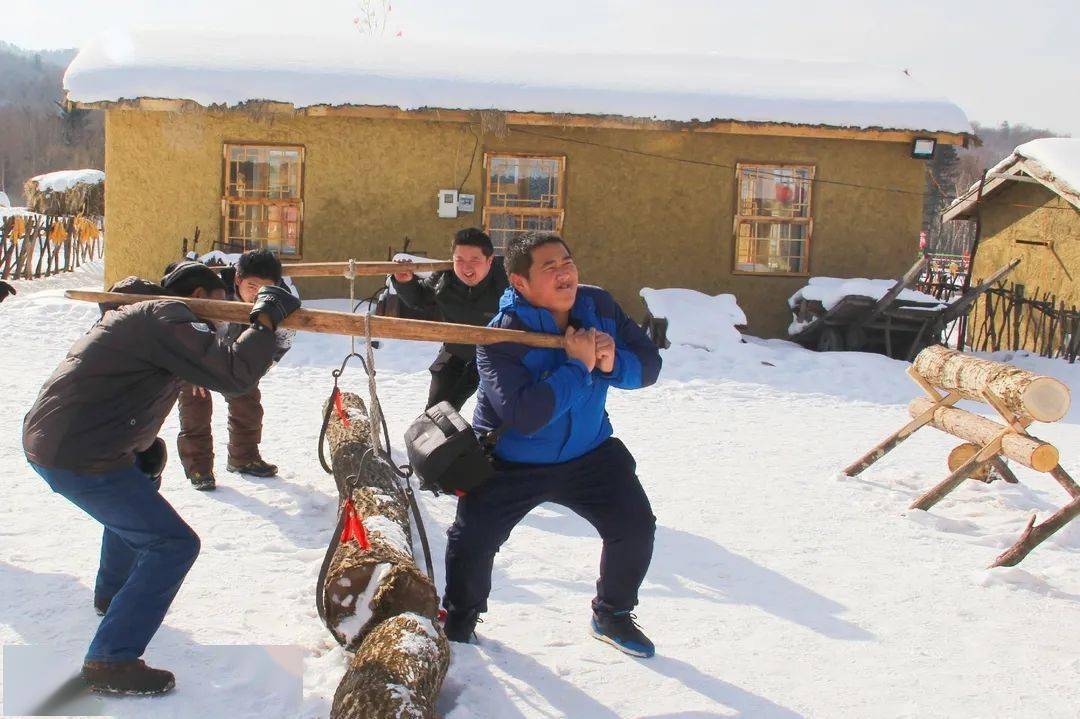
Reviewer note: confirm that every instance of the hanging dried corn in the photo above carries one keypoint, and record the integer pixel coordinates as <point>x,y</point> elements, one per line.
<point>58,234</point>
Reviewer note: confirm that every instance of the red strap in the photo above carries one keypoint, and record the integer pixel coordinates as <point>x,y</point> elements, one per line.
<point>353,527</point>
<point>340,407</point>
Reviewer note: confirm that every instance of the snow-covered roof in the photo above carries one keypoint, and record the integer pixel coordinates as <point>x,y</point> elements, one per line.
<point>211,68</point>
<point>65,180</point>
<point>1053,161</point>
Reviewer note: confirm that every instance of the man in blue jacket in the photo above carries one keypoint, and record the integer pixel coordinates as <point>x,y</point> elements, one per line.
<point>555,442</point>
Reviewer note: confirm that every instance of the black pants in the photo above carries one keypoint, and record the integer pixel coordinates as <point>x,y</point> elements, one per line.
<point>453,380</point>
<point>601,487</point>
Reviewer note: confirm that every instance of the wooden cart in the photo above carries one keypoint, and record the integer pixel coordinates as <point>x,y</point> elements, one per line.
<point>890,326</point>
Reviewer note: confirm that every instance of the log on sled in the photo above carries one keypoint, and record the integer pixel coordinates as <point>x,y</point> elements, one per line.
<point>1019,398</point>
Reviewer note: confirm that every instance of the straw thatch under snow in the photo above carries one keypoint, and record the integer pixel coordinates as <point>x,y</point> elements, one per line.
<point>68,192</point>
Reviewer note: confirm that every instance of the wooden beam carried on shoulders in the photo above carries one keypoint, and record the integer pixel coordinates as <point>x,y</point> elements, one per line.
<point>339,323</point>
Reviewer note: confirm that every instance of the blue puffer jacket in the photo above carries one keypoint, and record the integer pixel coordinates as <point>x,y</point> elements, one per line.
<point>555,408</point>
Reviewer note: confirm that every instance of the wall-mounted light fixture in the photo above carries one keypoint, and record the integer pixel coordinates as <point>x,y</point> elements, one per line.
<point>922,148</point>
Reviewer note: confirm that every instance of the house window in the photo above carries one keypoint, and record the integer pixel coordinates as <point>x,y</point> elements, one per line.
<point>263,203</point>
<point>524,194</point>
<point>773,221</point>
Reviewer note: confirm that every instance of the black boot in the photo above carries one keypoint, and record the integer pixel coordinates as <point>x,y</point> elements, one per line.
<point>621,631</point>
<point>130,677</point>
<point>461,626</point>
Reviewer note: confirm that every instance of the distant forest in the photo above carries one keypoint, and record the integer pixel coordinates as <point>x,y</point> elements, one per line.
<point>37,134</point>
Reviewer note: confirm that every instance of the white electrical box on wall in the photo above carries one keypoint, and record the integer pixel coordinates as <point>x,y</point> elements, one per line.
<point>448,203</point>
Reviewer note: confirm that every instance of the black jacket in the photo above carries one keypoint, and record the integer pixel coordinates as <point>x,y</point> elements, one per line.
<point>456,301</point>
<point>111,394</point>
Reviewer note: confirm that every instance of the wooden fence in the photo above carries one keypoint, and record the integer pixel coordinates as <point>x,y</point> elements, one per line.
<point>1013,318</point>
<point>34,246</point>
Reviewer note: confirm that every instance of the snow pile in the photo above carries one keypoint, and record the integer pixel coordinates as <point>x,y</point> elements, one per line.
<point>218,68</point>
<point>696,319</point>
<point>6,212</point>
<point>65,180</point>
<point>4,201</point>
<point>830,290</point>
<point>217,257</point>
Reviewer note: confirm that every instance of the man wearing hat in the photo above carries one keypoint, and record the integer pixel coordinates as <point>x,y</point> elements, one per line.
<point>92,436</point>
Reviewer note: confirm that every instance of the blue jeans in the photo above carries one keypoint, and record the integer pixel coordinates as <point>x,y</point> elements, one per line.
<point>146,551</point>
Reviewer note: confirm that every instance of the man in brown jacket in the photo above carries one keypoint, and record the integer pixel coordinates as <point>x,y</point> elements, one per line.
<point>92,436</point>
<point>195,443</point>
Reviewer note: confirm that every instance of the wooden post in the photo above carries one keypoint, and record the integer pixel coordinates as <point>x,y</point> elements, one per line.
<point>340,323</point>
<point>890,443</point>
<point>954,480</point>
<point>1034,535</point>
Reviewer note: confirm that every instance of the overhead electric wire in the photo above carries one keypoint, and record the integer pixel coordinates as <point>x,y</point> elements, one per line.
<point>758,173</point>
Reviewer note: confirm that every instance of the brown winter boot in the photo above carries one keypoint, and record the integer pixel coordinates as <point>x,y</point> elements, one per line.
<point>203,481</point>
<point>256,467</point>
<point>130,677</point>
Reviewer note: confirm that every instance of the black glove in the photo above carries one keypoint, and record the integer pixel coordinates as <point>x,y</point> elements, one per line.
<point>5,290</point>
<point>151,461</point>
<point>274,302</point>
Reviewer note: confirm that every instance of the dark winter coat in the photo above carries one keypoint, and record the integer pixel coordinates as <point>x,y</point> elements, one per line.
<point>553,407</point>
<point>456,301</point>
<point>109,397</point>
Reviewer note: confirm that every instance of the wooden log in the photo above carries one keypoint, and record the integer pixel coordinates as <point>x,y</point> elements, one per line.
<point>890,443</point>
<point>1034,535</point>
<point>961,454</point>
<point>1028,451</point>
<point>361,269</point>
<point>340,323</point>
<point>937,493</point>
<point>1025,393</point>
<point>397,672</point>
<point>364,586</point>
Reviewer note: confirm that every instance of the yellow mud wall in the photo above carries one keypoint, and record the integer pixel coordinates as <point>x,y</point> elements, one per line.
<point>1028,212</point>
<point>632,221</point>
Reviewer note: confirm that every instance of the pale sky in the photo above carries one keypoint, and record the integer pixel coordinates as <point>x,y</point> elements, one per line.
<point>1015,61</point>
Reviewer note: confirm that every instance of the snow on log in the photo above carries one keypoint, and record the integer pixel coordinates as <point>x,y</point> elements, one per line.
<point>1028,451</point>
<point>396,673</point>
<point>364,586</point>
<point>1043,398</point>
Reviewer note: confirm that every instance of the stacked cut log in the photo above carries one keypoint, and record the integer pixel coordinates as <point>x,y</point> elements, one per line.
<point>1042,398</point>
<point>1019,397</point>
<point>376,600</point>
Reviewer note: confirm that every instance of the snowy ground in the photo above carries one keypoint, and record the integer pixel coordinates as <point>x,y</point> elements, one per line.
<point>778,588</point>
